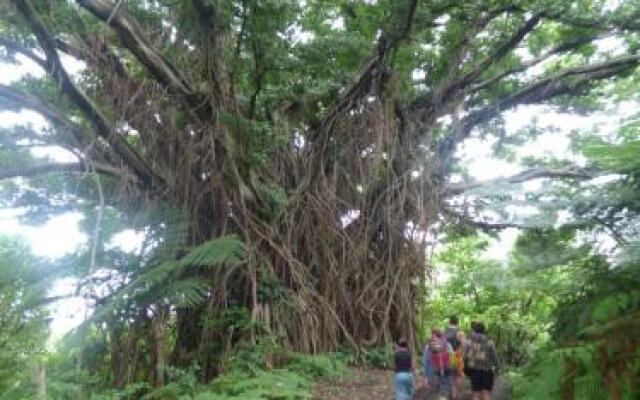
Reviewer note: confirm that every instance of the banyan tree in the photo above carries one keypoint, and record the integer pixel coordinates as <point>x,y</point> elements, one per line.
<point>307,147</point>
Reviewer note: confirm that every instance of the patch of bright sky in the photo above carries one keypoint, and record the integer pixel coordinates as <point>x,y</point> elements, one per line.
<point>69,312</point>
<point>23,117</point>
<point>611,5</point>
<point>58,236</point>
<point>61,234</point>
<point>129,240</point>
<point>500,248</point>
<point>476,153</point>
<point>12,72</point>
<point>337,24</point>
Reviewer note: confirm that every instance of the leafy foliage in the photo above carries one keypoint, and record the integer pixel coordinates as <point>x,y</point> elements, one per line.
<point>263,371</point>
<point>514,303</point>
<point>374,357</point>
<point>168,280</point>
<point>593,354</point>
<point>23,319</point>
<point>222,251</point>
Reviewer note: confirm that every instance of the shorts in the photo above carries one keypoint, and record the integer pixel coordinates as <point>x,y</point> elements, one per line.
<point>480,379</point>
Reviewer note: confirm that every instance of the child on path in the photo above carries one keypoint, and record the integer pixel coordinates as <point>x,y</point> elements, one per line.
<point>404,369</point>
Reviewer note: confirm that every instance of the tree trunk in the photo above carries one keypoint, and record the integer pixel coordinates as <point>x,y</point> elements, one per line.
<point>41,380</point>
<point>119,362</point>
<point>158,330</point>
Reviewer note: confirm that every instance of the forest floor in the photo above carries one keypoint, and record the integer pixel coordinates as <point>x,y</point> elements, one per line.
<point>378,385</point>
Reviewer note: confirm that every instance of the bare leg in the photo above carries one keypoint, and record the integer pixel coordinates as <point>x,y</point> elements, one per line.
<point>486,395</point>
<point>477,395</point>
<point>455,384</point>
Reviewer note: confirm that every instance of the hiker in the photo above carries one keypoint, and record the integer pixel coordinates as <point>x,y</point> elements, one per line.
<point>452,330</point>
<point>404,369</point>
<point>437,365</point>
<point>458,366</point>
<point>481,362</point>
<point>452,333</point>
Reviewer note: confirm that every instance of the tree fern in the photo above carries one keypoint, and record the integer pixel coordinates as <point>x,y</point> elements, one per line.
<point>188,292</point>
<point>224,250</point>
<point>168,280</point>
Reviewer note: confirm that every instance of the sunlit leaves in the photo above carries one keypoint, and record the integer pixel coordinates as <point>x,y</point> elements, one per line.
<point>23,319</point>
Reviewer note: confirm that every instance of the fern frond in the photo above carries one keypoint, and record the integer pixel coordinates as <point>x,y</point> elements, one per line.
<point>188,292</point>
<point>223,250</point>
<point>166,280</point>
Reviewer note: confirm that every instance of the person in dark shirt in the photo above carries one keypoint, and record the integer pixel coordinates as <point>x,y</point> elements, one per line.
<point>452,330</point>
<point>403,379</point>
<point>481,361</point>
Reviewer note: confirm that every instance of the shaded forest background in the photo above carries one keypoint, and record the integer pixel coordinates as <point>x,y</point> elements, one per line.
<point>289,165</point>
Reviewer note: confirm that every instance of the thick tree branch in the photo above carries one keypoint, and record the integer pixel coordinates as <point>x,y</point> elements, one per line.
<point>97,55</point>
<point>133,38</point>
<point>448,90</point>
<point>73,135</point>
<point>483,225</point>
<point>561,48</point>
<point>372,70</point>
<point>16,47</point>
<point>568,81</point>
<point>102,127</point>
<point>104,58</point>
<point>603,23</point>
<point>55,168</point>
<point>13,98</point>
<point>411,13</point>
<point>501,50</point>
<point>524,176</point>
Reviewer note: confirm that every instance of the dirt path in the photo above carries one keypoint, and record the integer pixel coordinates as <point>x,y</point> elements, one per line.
<point>378,385</point>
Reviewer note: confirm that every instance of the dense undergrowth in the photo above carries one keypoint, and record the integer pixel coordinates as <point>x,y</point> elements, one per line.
<point>564,317</point>
<point>263,371</point>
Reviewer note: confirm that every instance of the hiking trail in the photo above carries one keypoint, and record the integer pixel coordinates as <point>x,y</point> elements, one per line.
<point>376,384</point>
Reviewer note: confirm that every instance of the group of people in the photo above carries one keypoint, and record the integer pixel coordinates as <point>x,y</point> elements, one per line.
<point>448,357</point>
